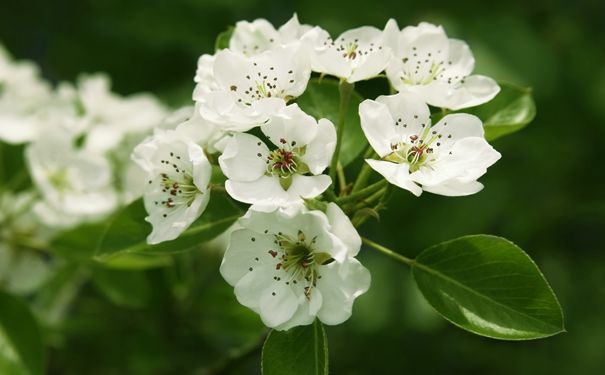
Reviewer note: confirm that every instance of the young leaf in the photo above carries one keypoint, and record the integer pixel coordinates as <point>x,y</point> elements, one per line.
<point>510,111</point>
<point>300,350</point>
<point>21,348</point>
<point>488,286</point>
<point>321,100</point>
<point>222,40</point>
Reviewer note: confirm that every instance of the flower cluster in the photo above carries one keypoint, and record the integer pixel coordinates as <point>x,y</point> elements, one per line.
<point>291,257</point>
<point>76,142</point>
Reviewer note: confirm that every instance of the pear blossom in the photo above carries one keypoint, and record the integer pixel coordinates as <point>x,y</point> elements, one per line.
<point>252,38</point>
<point>76,185</point>
<point>178,177</point>
<point>211,137</point>
<point>437,69</point>
<point>355,55</point>
<point>444,159</point>
<point>292,265</point>
<point>291,170</point>
<point>243,92</point>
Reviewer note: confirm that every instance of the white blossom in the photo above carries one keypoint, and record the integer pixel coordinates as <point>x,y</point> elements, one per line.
<point>437,69</point>
<point>355,55</point>
<point>293,265</point>
<point>301,149</point>
<point>445,159</point>
<point>252,38</point>
<point>76,185</point>
<point>178,177</point>
<point>243,92</point>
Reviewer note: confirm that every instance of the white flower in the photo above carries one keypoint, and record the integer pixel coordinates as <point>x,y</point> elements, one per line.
<point>252,38</point>
<point>437,69</point>
<point>293,265</point>
<point>356,55</point>
<point>302,149</point>
<point>211,137</point>
<point>444,159</point>
<point>245,91</point>
<point>76,185</point>
<point>109,118</point>
<point>27,103</point>
<point>178,175</point>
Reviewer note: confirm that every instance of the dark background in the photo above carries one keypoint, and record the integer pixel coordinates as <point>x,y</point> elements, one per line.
<point>546,194</point>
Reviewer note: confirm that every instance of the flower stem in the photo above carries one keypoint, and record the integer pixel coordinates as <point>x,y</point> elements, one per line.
<point>361,194</point>
<point>345,89</point>
<point>366,171</point>
<point>342,180</point>
<point>388,252</point>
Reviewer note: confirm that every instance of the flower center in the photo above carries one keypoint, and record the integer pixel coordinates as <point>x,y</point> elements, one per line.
<point>178,187</point>
<point>264,83</point>
<point>417,151</point>
<point>286,161</point>
<point>300,259</point>
<point>59,179</point>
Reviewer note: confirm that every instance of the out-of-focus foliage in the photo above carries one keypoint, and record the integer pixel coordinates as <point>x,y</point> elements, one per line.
<point>546,193</point>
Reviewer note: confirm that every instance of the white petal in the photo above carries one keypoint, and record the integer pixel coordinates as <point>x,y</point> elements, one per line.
<point>291,125</point>
<point>202,170</point>
<point>455,188</point>
<point>373,64</point>
<point>306,312</point>
<point>410,114</point>
<point>277,304</point>
<point>321,148</point>
<point>265,190</point>
<point>253,285</point>
<point>396,174</point>
<point>342,228</point>
<point>378,126</point>
<point>308,186</point>
<point>458,126</point>
<point>251,38</point>
<point>340,285</point>
<point>247,249</point>
<point>240,160</point>
<point>461,58</point>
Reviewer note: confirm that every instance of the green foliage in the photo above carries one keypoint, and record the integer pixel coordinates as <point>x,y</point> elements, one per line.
<point>510,111</point>
<point>124,288</point>
<point>222,40</point>
<point>321,100</point>
<point>488,286</point>
<point>21,348</point>
<point>126,232</point>
<point>300,350</point>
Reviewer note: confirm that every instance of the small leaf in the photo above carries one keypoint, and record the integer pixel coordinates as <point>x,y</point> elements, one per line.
<point>510,111</point>
<point>222,40</point>
<point>21,348</point>
<point>488,286</point>
<point>300,350</point>
<point>321,100</point>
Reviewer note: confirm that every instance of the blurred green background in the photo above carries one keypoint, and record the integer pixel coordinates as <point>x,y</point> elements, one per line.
<point>547,193</point>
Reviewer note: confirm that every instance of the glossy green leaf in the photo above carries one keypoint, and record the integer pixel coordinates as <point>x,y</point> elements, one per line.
<point>21,348</point>
<point>222,40</point>
<point>510,111</point>
<point>321,100</point>
<point>488,286</point>
<point>299,350</point>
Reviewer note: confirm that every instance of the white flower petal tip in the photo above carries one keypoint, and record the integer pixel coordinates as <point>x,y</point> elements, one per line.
<point>444,159</point>
<point>289,168</point>
<point>437,69</point>
<point>356,55</point>
<point>293,265</point>
<point>178,175</point>
<point>244,92</point>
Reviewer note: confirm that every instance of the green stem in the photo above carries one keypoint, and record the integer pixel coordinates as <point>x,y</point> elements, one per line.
<point>367,201</point>
<point>363,192</point>
<point>342,180</point>
<point>366,171</point>
<point>388,252</point>
<point>345,89</point>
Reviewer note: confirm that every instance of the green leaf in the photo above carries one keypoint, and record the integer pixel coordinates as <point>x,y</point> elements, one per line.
<point>300,350</point>
<point>127,231</point>
<point>321,100</point>
<point>21,348</point>
<point>123,288</point>
<point>488,286</point>
<point>510,111</point>
<point>222,40</point>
